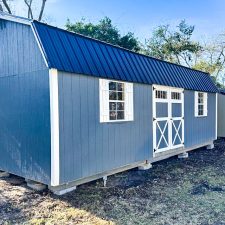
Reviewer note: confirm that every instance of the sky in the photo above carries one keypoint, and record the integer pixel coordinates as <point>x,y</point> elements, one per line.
<point>140,16</point>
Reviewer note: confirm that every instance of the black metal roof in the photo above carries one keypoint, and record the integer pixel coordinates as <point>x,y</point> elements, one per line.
<point>71,52</point>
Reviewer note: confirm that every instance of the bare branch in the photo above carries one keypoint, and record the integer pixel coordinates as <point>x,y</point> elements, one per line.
<point>29,12</point>
<point>42,10</point>
<point>5,3</point>
<point>178,60</point>
<point>185,59</point>
<point>1,8</point>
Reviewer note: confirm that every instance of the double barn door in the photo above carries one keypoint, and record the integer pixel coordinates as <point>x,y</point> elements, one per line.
<point>168,118</point>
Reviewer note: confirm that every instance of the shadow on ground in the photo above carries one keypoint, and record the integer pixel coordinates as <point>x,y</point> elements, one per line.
<point>174,191</point>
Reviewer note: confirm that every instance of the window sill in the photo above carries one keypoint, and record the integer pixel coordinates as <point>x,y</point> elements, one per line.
<point>117,121</point>
<point>200,116</point>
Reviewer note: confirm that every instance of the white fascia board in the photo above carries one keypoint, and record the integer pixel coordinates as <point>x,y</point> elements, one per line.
<point>39,44</point>
<point>54,119</point>
<point>9,17</point>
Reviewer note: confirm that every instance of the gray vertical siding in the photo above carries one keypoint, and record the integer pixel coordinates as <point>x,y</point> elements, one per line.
<point>24,105</point>
<point>88,147</point>
<point>19,52</point>
<point>221,116</point>
<point>198,130</point>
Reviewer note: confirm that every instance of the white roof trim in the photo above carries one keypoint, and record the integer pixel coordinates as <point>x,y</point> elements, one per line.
<point>39,44</point>
<point>7,16</point>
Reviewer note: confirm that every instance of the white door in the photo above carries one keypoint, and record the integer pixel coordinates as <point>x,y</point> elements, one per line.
<point>168,118</point>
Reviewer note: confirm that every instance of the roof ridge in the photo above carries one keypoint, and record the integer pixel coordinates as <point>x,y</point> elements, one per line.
<point>119,47</point>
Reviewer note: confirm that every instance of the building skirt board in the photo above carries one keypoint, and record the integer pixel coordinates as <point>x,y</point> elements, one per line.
<point>69,185</point>
<point>168,154</point>
<point>65,188</point>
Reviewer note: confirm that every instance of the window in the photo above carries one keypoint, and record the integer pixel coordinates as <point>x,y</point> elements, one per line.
<point>200,104</point>
<point>176,95</point>
<point>116,101</point>
<point>161,94</point>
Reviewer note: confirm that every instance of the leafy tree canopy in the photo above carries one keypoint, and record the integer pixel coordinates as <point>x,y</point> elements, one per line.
<point>104,30</point>
<point>205,66</point>
<point>174,46</point>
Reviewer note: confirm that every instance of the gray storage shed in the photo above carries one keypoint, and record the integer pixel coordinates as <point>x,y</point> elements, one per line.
<point>221,113</point>
<point>74,109</point>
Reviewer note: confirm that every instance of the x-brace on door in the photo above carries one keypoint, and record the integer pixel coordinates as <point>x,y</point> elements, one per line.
<point>168,118</point>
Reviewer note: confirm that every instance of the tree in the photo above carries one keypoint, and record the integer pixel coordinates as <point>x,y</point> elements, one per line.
<point>174,46</point>
<point>104,30</point>
<point>212,59</point>
<point>5,6</point>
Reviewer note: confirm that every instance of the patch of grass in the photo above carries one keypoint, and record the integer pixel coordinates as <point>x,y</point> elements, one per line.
<point>76,216</point>
<point>173,192</point>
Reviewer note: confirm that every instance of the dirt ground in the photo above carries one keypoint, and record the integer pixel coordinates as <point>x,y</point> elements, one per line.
<point>174,191</point>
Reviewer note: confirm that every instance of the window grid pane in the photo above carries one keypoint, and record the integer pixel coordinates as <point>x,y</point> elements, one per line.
<point>161,94</point>
<point>176,95</point>
<point>116,101</point>
<point>201,104</point>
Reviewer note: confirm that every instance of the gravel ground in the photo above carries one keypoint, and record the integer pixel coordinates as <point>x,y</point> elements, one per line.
<point>174,191</point>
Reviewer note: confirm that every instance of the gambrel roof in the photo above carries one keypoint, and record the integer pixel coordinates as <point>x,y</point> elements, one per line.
<point>75,53</point>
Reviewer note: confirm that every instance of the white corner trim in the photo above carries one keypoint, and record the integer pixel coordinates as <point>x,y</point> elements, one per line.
<point>216,115</point>
<point>54,118</point>
<point>39,44</point>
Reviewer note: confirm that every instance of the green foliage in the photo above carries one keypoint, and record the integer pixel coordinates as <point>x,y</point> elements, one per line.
<point>210,68</point>
<point>165,43</point>
<point>174,46</point>
<point>104,30</point>
<point>205,66</point>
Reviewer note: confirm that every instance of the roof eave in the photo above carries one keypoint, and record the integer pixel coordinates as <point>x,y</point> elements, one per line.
<point>7,16</point>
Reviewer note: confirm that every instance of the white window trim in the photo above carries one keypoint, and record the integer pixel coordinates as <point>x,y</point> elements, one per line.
<point>205,104</point>
<point>104,101</point>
